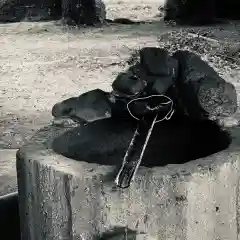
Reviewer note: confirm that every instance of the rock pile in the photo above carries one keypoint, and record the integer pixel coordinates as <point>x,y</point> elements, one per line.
<point>196,89</point>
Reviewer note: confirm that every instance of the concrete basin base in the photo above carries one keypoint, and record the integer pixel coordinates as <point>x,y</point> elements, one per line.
<point>66,188</point>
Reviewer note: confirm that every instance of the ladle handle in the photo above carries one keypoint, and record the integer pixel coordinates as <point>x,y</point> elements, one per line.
<point>135,152</point>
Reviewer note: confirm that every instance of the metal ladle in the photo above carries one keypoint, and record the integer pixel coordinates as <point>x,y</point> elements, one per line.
<point>154,105</point>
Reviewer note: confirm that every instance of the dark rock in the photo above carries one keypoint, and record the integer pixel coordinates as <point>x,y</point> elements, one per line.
<point>10,220</point>
<point>29,10</point>
<point>158,68</point>
<point>157,62</point>
<point>200,91</point>
<point>201,12</point>
<point>162,85</point>
<point>153,74</point>
<point>195,88</point>
<point>88,12</point>
<point>128,84</point>
<point>197,12</point>
<point>88,107</point>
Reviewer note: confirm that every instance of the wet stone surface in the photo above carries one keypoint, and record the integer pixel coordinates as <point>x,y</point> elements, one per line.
<point>203,93</point>
<point>88,107</point>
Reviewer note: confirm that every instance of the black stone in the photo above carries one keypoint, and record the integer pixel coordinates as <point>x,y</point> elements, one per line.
<point>128,84</point>
<point>157,62</point>
<point>158,68</point>
<point>201,12</point>
<point>72,12</point>
<point>162,85</point>
<point>195,88</point>
<point>88,107</point>
<point>197,12</point>
<point>154,74</point>
<point>88,12</point>
<point>200,91</point>
<point>29,10</point>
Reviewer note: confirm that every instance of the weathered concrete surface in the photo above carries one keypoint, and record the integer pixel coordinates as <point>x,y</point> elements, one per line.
<point>8,175</point>
<point>65,199</point>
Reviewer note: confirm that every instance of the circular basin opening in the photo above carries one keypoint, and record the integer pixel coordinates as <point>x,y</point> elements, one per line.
<point>172,142</point>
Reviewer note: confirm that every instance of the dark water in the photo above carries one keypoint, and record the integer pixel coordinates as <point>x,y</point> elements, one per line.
<point>172,142</point>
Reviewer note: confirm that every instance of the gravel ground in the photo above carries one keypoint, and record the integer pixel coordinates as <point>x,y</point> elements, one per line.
<point>41,64</point>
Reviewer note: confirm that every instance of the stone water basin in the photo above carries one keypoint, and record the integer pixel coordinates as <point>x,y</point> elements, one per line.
<point>186,188</point>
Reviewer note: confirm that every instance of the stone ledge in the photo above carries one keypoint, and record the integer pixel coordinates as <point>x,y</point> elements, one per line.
<point>62,198</point>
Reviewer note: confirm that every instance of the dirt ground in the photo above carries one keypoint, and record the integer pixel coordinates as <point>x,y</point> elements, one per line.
<point>41,64</point>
